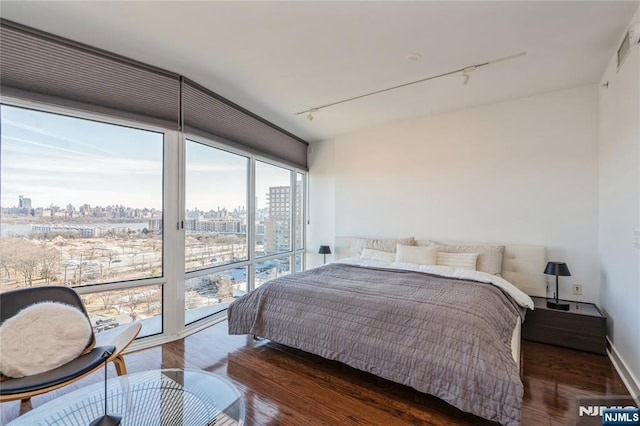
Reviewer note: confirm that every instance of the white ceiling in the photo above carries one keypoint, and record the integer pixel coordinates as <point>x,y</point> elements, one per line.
<point>277,58</point>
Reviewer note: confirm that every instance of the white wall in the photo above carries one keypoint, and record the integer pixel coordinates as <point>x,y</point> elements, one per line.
<point>619,217</point>
<point>321,212</point>
<point>522,171</point>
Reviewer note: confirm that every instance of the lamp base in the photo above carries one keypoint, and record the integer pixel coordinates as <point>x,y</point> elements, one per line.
<point>107,420</point>
<point>562,306</point>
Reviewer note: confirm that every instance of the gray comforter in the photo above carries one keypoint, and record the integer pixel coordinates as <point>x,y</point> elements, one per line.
<point>445,337</point>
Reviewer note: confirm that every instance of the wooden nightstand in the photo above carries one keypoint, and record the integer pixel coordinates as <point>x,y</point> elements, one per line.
<point>582,327</point>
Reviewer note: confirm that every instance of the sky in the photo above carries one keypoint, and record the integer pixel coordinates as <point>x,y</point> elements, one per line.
<point>59,160</point>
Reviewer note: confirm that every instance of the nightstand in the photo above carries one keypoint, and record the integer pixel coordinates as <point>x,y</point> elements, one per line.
<point>582,327</point>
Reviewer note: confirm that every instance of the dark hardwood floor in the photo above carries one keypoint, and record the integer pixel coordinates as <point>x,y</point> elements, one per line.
<point>283,386</point>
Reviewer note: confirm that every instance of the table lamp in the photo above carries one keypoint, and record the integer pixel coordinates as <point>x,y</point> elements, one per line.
<point>325,250</point>
<point>557,269</point>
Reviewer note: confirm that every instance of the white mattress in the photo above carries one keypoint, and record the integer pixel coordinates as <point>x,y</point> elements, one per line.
<point>515,343</point>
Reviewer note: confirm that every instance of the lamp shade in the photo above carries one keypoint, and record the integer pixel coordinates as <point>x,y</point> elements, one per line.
<point>557,268</point>
<point>324,250</point>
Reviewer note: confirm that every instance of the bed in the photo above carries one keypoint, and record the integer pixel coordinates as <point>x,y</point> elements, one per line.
<point>449,332</point>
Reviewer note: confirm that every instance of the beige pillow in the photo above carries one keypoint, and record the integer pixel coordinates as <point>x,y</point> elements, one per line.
<point>372,254</point>
<point>422,255</point>
<point>388,244</point>
<point>489,256</point>
<point>458,260</point>
<point>42,337</point>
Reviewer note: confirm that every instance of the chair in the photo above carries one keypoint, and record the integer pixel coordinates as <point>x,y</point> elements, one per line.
<point>92,359</point>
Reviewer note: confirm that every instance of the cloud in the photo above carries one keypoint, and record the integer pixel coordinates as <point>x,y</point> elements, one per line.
<point>44,132</point>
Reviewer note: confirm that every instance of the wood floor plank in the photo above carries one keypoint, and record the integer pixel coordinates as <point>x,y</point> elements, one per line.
<point>285,386</point>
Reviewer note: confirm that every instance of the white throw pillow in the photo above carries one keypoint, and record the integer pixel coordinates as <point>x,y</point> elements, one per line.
<point>422,255</point>
<point>372,254</point>
<point>42,337</point>
<point>458,260</point>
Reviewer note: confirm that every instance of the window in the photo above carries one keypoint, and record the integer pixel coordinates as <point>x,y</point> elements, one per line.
<point>299,211</point>
<point>271,269</point>
<point>209,294</point>
<point>109,309</point>
<point>81,205</point>
<point>85,203</point>
<point>216,207</point>
<point>215,228</point>
<point>273,216</point>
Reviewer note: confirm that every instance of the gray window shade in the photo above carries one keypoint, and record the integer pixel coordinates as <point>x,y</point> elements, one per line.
<point>39,66</point>
<point>43,67</point>
<point>208,113</point>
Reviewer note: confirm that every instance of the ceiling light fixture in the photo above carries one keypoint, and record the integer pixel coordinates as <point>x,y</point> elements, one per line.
<point>413,57</point>
<point>466,75</point>
<point>310,115</point>
<point>465,79</point>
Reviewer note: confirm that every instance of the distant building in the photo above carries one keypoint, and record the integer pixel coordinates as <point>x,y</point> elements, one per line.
<point>155,224</point>
<point>85,231</point>
<point>24,203</point>
<point>277,228</point>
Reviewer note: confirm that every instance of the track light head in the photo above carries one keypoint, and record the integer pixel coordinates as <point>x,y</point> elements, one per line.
<point>466,75</point>
<point>310,115</point>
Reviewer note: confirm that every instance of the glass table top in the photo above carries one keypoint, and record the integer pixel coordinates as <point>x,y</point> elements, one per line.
<point>158,397</point>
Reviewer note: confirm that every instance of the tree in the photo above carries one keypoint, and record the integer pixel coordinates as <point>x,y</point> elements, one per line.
<point>107,299</point>
<point>225,288</point>
<point>27,261</point>
<point>110,254</point>
<point>131,304</point>
<point>49,260</point>
<point>9,248</point>
<point>149,296</point>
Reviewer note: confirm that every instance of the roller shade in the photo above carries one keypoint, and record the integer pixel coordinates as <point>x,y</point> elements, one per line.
<point>43,67</point>
<point>205,112</point>
<point>39,66</point>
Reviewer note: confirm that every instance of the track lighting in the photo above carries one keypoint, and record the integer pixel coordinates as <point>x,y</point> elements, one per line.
<point>466,75</point>
<point>465,79</point>
<point>310,115</point>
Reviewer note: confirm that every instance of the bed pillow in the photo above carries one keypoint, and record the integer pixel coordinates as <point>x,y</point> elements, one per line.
<point>372,254</point>
<point>458,260</point>
<point>489,256</point>
<point>42,337</point>
<point>388,245</point>
<point>422,255</point>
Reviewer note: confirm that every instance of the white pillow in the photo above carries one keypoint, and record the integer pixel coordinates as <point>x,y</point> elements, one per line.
<point>458,260</point>
<point>388,245</point>
<point>372,254</point>
<point>422,255</point>
<point>489,255</point>
<point>42,337</point>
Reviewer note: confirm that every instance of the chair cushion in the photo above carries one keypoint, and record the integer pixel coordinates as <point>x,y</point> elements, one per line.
<point>71,370</point>
<point>42,337</point>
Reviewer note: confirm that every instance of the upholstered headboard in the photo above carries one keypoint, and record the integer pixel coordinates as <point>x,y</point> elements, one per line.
<point>522,265</point>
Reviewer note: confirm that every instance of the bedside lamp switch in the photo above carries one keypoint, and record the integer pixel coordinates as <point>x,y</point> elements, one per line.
<point>577,289</point>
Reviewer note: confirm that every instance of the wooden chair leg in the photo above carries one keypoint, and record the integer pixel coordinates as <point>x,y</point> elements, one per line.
<point>121,367</point>
<point>25,406</point>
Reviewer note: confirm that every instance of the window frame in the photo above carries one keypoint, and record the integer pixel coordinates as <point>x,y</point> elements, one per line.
<point>252,259</point>
<point>172,281</point>
<point>168,135</point>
